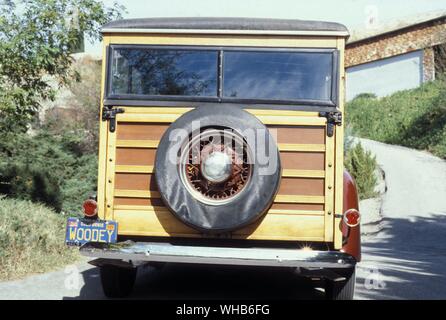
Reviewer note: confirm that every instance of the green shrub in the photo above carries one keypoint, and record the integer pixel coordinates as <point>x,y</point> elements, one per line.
<point>30,183</point>
<point>362,165</point>
<point>31,239</point>
<point>413,118</point>
<point>81,185</point>
<point>65,175</point>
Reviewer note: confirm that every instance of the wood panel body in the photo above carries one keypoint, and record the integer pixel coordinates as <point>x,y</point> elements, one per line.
<point>308,195</point>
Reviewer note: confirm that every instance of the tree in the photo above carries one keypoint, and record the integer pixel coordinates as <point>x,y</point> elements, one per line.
<point>37,38</point>
<point>85,99</point>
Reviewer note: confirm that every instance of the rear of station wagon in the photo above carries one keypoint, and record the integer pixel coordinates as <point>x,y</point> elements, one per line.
<point>221,142</point>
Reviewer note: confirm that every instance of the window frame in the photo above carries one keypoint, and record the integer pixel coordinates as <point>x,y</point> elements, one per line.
<point>220,50</point>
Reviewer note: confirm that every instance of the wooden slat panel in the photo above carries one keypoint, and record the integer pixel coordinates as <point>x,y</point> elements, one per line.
<point>138,202</point>
<point>284,227</point>
<point>279,198</point>
<point>136,193</point>
<point>143,117</point>
<point>299,134</point>
<point>156,110</point>
<point>275,226</point>
<point>285,172</point>
<point>275,206</point>
<point>329,189</point>
<point>302,160</point>
<point>303,173</point>
<point>267,120</point>
<point>133,156</point>
<point>292,121</point>
<point>225,40</point>
<point>301,147</point>
<point>339,148</point>
<point>141,131</point>
<point>300,186</point>
<point>135,181</point>
<point>152,223</point>
<point>274,211</point>
<point>297,212</point>
<point>134,169</point>
<point>297,206</point>
<point>110,173</point>
<point>288,186</point>
<point>299,199</point>
<point>151,144</point>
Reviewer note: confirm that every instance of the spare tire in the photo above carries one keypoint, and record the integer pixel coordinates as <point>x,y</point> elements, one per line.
<point>217,168</point>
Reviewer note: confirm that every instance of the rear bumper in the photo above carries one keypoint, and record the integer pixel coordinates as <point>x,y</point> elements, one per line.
<point>166,252</point>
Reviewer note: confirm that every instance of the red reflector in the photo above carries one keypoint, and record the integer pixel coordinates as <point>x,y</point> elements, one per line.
<point>352,217</point>
<point>90,208</point>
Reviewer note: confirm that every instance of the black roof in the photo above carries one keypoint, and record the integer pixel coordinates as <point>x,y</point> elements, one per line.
<point>202,23</point>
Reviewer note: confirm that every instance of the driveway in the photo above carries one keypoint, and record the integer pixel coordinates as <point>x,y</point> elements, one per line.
<point>405,260</point>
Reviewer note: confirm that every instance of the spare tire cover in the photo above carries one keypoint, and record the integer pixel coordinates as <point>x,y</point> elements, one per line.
<point>258,193</point>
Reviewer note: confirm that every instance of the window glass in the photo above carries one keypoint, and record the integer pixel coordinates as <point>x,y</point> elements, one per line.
<point>147,71</point>
<point>277,75</point>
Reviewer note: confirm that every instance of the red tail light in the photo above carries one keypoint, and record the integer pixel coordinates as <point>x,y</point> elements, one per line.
<point>352,217</point>
<point>90,208</point>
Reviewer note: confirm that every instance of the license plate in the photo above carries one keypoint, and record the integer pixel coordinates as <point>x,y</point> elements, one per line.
<point>81,231</point>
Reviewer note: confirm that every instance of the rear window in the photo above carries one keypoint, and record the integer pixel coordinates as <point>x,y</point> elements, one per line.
<point>277,75</point>
<point>304,76</point>
<point>164,72</point>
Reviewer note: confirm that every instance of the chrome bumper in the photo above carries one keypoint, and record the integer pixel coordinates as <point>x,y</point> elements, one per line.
<point>166,252</point>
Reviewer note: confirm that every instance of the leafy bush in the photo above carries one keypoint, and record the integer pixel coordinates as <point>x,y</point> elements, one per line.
<point>81,185</point>
<point>66,176</point>
<point>362,165</point>
<point>413,118</point>
<point>30,183</point>
<point>31,239</point>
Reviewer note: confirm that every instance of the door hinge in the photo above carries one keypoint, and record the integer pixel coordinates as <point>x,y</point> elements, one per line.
<point>109,113</point>
<point>334,118</point>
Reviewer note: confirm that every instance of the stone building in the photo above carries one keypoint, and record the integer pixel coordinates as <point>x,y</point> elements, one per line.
<point>396,57</point>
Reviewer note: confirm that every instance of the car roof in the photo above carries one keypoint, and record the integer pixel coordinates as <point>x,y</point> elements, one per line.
<point>226,26</point>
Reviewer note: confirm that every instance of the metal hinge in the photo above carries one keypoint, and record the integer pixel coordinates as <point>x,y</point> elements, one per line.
<point>109,113</point>
<point>334,118</point>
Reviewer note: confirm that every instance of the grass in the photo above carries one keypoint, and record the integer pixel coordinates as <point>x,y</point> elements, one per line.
<point>31,239</point>
<point>413,118</point>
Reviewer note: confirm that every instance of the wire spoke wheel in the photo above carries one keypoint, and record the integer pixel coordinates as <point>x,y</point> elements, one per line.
<point>215,165</point>
<point>210,175</point>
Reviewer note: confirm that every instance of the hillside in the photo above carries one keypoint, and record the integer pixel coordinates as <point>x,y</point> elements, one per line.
<point>413,118</point>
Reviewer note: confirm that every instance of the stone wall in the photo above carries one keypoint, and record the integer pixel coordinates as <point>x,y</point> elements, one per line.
<point>421,36</point>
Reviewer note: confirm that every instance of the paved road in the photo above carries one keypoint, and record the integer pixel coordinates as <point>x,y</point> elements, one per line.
<point>410,251</point>
<point>406,260</point>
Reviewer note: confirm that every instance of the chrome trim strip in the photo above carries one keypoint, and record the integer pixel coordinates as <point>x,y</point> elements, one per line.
<point>166,252</point>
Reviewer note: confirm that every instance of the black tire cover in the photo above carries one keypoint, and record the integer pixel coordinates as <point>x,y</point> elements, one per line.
<point>244,209</point>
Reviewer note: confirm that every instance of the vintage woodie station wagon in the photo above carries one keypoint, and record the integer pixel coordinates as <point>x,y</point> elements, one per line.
<point>221,142</point>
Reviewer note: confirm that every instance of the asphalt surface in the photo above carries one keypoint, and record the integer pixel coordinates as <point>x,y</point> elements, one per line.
<point>405,260</point>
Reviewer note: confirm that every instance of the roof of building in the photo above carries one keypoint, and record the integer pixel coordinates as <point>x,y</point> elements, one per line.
<point>226,25</point>
<point>358,35</point>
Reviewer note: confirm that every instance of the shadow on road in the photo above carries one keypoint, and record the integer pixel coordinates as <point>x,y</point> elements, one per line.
<point>188,282</point>
<point>406,260</point>
<point>410,257</point>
